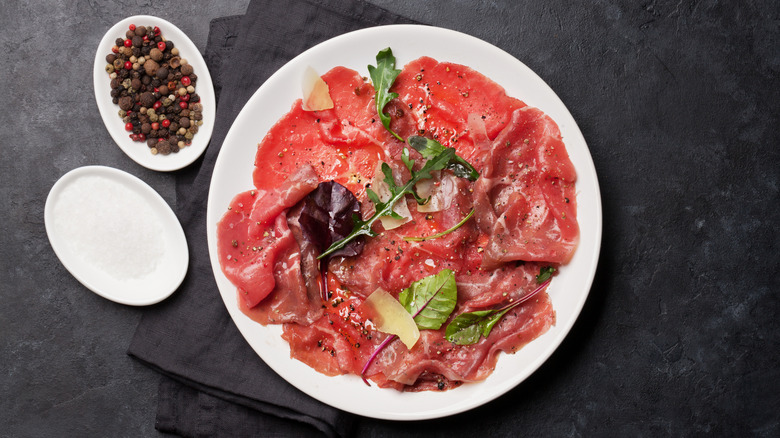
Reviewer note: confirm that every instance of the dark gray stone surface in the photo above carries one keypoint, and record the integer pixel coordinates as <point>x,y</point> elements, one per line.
<point>62,348</point>
<point>679,104</point>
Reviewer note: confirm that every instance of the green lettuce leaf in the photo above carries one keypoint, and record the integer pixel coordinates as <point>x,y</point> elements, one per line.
<point>431,300</point>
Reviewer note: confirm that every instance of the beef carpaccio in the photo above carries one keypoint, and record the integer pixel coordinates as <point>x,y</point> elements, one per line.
<point>524,205</point>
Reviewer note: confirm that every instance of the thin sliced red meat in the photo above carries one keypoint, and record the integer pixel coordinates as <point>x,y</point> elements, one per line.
<point>342,144</point>
<point>248,261</point>
<point>442,95</point>
<point>269,203</point>
<point>435,363</point>
<point>525,197</point>
<point>525,218</point>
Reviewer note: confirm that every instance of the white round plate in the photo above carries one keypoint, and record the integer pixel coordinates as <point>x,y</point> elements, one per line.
<point>138,151</point>
<point>233,174</point>
<point>141,290</point>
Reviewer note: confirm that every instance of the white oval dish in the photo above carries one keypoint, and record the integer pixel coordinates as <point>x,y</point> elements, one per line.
<point>138,151</point>
<point>233,174</point>
<point>170,254</point>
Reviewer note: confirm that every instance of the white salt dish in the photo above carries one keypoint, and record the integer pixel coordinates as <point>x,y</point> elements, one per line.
<point>138,151</point>
<point>116,235</point>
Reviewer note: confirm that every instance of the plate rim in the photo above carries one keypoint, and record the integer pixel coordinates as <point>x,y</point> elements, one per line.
<point>596,209</point>
<point>108,110</point>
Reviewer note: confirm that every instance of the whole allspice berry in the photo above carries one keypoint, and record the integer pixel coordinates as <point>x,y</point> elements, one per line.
<point>151,67</point>
<point>156,54</point>
<point>164,147</point>
<point>147,99</point>
<point>126,103</point>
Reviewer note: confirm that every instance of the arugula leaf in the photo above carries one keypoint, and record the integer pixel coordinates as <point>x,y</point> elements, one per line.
<point>443,233</point>
<point>545,273</point>
<point>466,328</point>
<point>362,227</point>
<point>430,148</point>
<point>407,161</point>
<point>383,76</point>
<point>431,300</point>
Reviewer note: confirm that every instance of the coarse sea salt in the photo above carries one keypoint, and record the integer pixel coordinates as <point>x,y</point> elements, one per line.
<point>110,227</point>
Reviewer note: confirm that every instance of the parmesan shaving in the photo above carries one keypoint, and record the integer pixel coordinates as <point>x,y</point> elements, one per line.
<point>389,316</point>
<point>316,93</point>
<point>400,208</point>
<point>441,190</point>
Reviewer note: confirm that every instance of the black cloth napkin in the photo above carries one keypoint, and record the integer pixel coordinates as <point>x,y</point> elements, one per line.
<point>213,383</point>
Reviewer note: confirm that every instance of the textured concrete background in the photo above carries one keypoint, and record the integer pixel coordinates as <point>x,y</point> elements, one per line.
<point>679,104</point>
